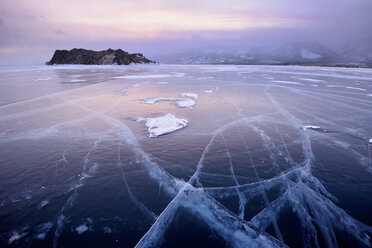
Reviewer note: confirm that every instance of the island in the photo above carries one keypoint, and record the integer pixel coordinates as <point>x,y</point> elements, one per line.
<point>89,57</point>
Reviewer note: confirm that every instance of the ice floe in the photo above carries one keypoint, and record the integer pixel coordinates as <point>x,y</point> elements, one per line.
<point>192,95</point>
<point>163,125</point>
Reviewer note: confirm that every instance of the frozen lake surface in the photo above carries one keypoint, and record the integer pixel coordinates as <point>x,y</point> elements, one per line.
<point>185,156</point>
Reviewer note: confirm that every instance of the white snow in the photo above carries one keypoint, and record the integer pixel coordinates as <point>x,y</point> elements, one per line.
<point>162,82</point>
<point>124,92</point>
<point>346,87</point>
<point>306,54</point>
<point>370,141</point>
<point>287,82</point>
<point>145,76</point>
<point>310,127</point>
<point>369,94</point>
<point>44,203</point>
<point>185,103</point>
<point>107,229</point>
<point>208,91</point>
<point>180,102</point>
<point>77,80</point>
<point>193,95</point>
<point>16,236</point>
<point>163,125</point>
<point>43,79</point>
<point>82,228</point>
<point>312,80</point>
<point>43,229</point>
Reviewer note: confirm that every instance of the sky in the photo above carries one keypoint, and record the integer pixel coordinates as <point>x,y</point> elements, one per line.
<point>30,30</point>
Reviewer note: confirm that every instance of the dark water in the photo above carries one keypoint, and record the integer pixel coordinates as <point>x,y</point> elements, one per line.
<point>271,156</point>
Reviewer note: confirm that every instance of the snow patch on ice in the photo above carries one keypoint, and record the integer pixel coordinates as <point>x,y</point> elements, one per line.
<point>43,79</point>
<point>185,103</point>
<point>44,203</point>
<point>163,125</point>
<point>162,82</point>
<point>77,80</point>
<point>107,229</point>
<point>43,229</point>
<point>208,91</point>
<point>311,127</point>
<point>306,54</point>
<point>370,141</point>
<point>346,87</point>
<point>16,236</point>
<point>81,229</point>
<point>152,76</point>
<point>180,102</point>
<point>312,80</point>
<point>124,92</point>
<point>192,95</point>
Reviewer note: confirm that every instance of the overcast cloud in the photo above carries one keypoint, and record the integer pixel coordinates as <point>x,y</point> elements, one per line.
<point>31,30</point>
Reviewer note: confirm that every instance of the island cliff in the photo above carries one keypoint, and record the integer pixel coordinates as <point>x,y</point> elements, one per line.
<point>89,57</point>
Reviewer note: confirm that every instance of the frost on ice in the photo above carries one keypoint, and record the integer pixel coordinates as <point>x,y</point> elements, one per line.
<point>163,125</point>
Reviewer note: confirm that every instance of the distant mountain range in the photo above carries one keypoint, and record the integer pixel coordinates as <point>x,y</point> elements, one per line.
<point>357,53</point>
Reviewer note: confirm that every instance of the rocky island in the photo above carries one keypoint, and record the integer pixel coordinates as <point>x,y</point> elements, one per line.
<point>89,57</point>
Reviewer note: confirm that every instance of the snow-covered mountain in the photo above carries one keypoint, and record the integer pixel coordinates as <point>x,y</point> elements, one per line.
<point>303,53</point>
<point>358,51</point>
<point>306,53</point>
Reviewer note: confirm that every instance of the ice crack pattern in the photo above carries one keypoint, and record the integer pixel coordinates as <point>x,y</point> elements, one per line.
<point>267,160</point>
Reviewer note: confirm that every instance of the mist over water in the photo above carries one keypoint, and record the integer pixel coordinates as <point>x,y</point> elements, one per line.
<point>265,156</point>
